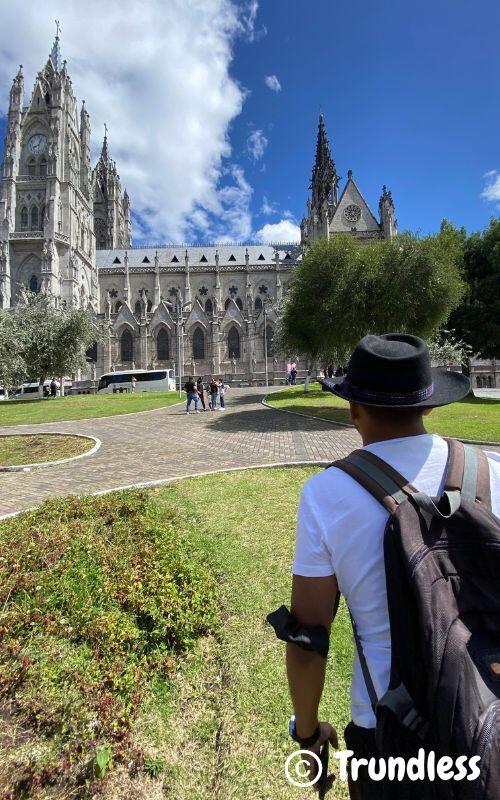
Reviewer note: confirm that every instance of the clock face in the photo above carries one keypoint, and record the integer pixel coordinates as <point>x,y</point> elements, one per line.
<point>352,213</point>
<point>37,143</point>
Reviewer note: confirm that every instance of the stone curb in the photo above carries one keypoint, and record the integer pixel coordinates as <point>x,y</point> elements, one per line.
<point>42,464</point>
<point>166,481</point>
<point>346,425</point>
<point>92,419</point>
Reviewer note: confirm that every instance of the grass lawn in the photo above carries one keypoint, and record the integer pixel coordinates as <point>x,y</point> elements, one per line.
<point>472,418</point>
<point>208,716</point>
<point>82,406</point>
<point>40,447</point>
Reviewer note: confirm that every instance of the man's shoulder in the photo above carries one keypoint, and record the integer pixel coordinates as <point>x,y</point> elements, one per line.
<point>331,485</point>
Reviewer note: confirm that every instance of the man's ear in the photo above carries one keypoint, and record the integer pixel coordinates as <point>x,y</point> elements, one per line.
<point>353,411</point>
<point>427,411</point>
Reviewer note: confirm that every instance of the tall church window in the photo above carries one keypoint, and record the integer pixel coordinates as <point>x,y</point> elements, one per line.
<point>42,217</point>
<point>269,339</point>
<point>239,303</point>
<point>162,345</point>
<point>258,304</point>
<point>118,306</point>
<point>137,308</point>
<point>43,168</point>
<point>226,304</point>
<point>150,305</point>
<point>209,308</point>
<point>127,346</point>
<point>32,167</point>
<point>233,342</point>
<point>34,218</point>
<point>198,345</point>
<point>33,284</point>
<point>24,218</point>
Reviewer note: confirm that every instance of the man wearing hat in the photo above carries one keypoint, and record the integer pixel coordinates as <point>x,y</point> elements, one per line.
<point>391,388</point>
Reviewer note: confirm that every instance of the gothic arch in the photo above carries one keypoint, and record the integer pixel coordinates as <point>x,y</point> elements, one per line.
<point>258,304</point>
<point>126,345</point>
<point>118,305</point>
<point>162,343</point>
<point>198,344</point>
<point>239,303</point>
<point>137,308</point>
<point>233,342</point>
<point>209,307</point>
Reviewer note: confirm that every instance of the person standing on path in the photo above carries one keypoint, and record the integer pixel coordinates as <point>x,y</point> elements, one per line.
<point>191,394</point>
<point>214,388</point>
<point>201,389</point>
<point>53,388</point>
<point>222,392</point>
<point>133,382</point>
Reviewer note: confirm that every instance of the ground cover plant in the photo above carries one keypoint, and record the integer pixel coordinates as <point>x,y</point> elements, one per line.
<point>82,406</point>
<point>205,715</point>
<point>473,418</point>
<point>40,447</point>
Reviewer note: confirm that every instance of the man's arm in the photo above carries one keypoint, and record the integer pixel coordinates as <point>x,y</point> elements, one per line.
<point>314,602</point>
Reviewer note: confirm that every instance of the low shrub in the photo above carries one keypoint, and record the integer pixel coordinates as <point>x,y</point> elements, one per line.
<point>98,595</point>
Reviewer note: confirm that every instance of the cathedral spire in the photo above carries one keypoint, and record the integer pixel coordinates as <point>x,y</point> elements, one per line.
<point>104,151</point>
<point>324,179</point>
<point>55,55</point>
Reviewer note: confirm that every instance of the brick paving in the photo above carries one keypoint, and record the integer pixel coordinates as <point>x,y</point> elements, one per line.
<point>164,444</point>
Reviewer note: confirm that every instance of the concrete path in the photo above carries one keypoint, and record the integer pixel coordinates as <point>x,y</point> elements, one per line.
<point>164,444</point>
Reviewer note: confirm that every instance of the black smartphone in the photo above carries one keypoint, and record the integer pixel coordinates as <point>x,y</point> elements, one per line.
<point>323,781</point>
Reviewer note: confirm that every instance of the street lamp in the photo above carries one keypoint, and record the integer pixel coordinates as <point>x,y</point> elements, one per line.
<point>265,310</point>
<point>179,309</point>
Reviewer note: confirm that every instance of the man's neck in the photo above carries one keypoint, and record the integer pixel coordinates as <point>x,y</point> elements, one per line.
<point>383,435</point>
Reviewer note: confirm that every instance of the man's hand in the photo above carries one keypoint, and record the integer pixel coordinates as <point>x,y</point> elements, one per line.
<point>327,733</point>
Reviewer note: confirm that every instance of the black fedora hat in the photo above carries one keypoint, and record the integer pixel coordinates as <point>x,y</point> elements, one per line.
<point>394,371</point>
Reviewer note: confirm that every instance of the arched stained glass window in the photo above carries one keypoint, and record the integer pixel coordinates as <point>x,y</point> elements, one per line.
<point>32,168</point>
<point>33,284</point>
<point>209,309</point>
<point>162,345</point>
<point>239,303</point>
<point>198,345</point>
<point>269,338</point>
<point>118,306</point>
<point>34,218</point>
<point>233,342</point>
<point>137,308</point>
<point>24,218</point>
<point>258,304</point>
<point>127,346</point>
<point>43,168</point>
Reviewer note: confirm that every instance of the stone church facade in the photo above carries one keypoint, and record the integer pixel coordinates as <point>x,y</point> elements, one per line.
<point>65,228</point>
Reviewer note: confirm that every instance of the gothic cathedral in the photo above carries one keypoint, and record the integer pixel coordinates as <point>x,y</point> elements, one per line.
<point>65,228</point>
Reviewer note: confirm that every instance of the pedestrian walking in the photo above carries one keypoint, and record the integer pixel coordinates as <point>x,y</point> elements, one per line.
<point>200,389</point>
<point>53,388</point>
<point>293,376</point>
<point>191,394</point>
<point>214,389</point>
<point>418,574</point>
<point>133,383</point>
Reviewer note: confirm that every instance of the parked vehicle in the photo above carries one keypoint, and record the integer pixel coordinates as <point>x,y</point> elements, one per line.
<point>31,391</point>
<point>153,380</point>
<point>3,393</point>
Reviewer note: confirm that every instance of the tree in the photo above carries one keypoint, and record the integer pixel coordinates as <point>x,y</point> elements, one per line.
<point>477,319</point>
<point>40,341</point>
<point>344,290</point>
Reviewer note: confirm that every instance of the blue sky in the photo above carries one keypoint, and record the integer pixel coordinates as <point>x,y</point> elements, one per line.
<point>409,93</point>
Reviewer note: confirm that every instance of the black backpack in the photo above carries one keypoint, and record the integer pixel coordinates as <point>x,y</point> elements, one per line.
<point>442,564</point>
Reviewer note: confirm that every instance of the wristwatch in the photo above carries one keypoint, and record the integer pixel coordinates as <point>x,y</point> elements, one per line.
<point>309,741</point>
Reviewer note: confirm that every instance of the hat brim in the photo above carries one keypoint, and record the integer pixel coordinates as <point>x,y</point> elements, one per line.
<point>449,387</point>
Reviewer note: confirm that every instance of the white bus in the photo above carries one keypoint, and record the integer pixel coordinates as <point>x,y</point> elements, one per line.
<point>150,380</point>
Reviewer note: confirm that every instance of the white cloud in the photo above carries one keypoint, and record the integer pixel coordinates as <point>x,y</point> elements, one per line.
<point>273,83</point>
<point>282,231</point>
<point>268,207</point>
<point>491,190</point>
<point>158,74</point>
<point>256,144</point>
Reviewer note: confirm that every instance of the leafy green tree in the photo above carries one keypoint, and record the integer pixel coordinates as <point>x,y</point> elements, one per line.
<point>477,319</point>
<point>40,341</point>
<point>344,290</point>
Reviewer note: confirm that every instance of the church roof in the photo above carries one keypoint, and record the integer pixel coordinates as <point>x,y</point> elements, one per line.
<point>200,256</point>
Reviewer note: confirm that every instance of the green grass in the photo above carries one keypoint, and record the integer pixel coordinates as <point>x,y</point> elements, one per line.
<point>40,447</point>
<point>82,406</point>
<point>208,716</point>
<point>472,418</point>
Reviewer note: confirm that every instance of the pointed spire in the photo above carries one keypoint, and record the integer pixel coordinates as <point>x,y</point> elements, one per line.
<point>324,177</point>
<point>55,55</point>
<point>104,151</point>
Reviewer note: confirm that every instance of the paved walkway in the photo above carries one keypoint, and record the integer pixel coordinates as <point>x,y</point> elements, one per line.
<point>165,444</point>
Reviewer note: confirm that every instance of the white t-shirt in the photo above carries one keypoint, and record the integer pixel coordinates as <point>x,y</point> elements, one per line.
<point>340,531</point>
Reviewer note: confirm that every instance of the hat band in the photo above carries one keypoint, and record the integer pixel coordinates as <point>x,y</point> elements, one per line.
<point>389,398</point>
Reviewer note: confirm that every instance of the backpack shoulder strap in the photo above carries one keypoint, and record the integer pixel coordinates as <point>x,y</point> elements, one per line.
<point>377,477</point>
<point>468,472</point>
